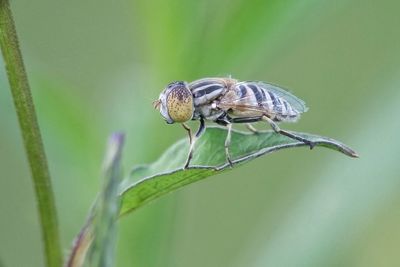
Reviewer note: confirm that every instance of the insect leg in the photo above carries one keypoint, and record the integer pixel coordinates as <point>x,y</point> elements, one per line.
<point>251,128</point>
<point>228,143</point>
<point>187,128</point>
<point>202,127</point>
<point>276,128</point>
<point>246,120</point>
<point>193,140</point>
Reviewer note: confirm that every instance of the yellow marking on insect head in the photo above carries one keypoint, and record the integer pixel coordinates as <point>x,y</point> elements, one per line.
<point>180,104</point>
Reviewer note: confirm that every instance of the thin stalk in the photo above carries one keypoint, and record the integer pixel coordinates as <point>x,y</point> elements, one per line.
<point>31,136</point>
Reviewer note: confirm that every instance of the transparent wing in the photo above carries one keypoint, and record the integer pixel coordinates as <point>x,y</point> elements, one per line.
<point>293,100</point>
<point>247,100</point>
<point>246,104</point>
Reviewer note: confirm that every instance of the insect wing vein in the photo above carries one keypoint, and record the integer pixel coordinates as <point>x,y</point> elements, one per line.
<point>293,100</point>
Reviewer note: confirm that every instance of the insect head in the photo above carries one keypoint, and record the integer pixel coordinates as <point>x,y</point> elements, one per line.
<point>175,103</point>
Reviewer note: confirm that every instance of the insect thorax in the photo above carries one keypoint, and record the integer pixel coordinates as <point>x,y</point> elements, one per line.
<point>205,92</point>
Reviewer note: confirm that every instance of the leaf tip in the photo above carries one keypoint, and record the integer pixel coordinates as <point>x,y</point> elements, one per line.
<point>350,152</point>
<point>354,154</point>
<point>117,138</point>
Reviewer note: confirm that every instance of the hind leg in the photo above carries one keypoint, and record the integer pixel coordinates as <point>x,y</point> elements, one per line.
<point>276,128</point>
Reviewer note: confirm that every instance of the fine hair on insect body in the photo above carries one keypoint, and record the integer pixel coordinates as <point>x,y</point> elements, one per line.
<point>227,101</point>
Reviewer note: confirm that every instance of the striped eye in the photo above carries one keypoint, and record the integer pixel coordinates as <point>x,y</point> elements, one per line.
<point>179,102</point>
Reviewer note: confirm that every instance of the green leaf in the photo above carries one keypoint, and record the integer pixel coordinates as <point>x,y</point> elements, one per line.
<point>166,174</point>
<point>101,253</point>
<point>95,244</point>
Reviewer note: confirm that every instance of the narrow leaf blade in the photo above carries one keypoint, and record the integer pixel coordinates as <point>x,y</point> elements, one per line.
<point>95,244</point>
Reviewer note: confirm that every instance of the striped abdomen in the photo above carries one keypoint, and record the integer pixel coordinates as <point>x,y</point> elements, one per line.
<point>259,99</point>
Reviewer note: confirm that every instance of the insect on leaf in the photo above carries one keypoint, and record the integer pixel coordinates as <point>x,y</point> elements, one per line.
<point>165,175</point>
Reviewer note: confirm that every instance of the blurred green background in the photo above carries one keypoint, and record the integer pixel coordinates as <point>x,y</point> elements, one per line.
<point>96,66</point>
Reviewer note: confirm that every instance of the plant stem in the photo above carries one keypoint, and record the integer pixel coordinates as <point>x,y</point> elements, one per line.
<point>31,135</point>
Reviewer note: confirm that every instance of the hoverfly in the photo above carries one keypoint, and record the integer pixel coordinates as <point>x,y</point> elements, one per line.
<point>226,101</point>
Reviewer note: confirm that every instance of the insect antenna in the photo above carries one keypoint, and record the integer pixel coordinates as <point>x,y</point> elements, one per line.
<point>156,104</point>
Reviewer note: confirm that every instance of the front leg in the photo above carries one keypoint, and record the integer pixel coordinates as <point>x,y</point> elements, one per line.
<point>187,128</point>
<point>192,140</point>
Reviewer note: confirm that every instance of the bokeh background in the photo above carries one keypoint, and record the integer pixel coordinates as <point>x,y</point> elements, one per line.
<point>96,66</point>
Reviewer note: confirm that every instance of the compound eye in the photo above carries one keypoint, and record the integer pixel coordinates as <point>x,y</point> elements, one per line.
<point>180,103</point>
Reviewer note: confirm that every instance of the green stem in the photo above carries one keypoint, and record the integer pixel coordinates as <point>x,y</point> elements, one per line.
<point>31,135</point>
